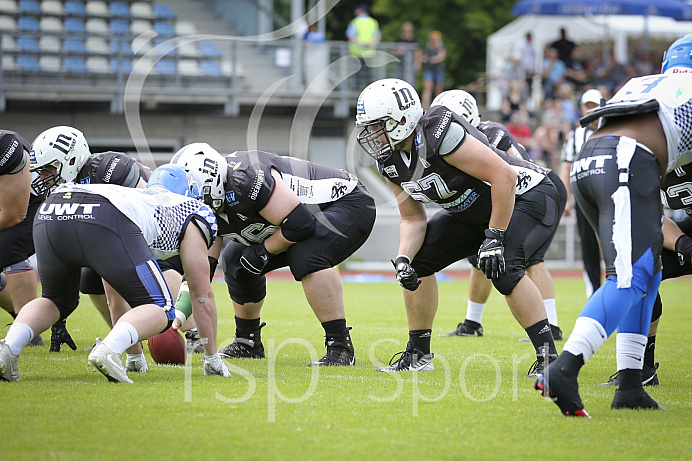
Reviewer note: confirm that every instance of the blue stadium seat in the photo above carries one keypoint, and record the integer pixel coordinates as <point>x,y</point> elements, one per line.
<point>28,24</point>
<point>29,7</point>
<point>27,63</point>
<point>123,44</point>
<point>124,64</point>
<point>164,28</point>
<point>209,50</point>
<point>119,9</point>
<point>28,44</point>
<point>165,48</point>
<point>163,12</point>
<point>74,64</point>
<point>74,45</point>
<point>74,26</point>
<point>210,68</point>
<point>119,27</point>
<point>75,8</point>
<point>166,67</point>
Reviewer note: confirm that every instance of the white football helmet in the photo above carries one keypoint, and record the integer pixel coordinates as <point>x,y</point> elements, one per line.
<point>212,168</point>
<point>461,103</point>
<point>391,108</point>
<point>56,156</point>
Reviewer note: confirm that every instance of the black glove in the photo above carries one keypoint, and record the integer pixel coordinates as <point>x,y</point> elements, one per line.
<point>59,336</point>
<point>405,274</point>
<point>254,258</point>
<point>683,246</point>
<point>491,259</point>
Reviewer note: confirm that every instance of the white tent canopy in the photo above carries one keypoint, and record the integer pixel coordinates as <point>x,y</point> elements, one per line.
<point>580,29</point>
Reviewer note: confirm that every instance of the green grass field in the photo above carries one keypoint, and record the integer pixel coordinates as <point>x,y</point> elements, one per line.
<point>476,404</point>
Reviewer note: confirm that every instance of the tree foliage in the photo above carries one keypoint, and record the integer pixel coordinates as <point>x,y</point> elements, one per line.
<point>465,26</point>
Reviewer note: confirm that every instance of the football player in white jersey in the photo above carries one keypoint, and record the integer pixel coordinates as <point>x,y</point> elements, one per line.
<point>119,232</point>
<point>645,134</point>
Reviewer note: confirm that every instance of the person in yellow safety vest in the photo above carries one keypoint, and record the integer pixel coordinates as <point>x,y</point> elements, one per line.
<point>363,33</point>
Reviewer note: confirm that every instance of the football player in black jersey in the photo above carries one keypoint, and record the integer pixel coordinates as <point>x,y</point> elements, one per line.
<point>499,207</point>
<point>499,136</point>
<point>278,212</point>
<point>60,154</point>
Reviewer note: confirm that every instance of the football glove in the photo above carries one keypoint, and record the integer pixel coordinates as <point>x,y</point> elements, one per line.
<point>491,254</point>
<point>405,274</point>
<point>254,258</point>
<point>214,365</point>
<point>683,247</point>
<point>59,336</point>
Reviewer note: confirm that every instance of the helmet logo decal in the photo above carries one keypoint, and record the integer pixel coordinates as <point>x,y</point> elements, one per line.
<point>467,105</point>
<point>63,143</point>
<point>404,98</point>
<point>360,107</point>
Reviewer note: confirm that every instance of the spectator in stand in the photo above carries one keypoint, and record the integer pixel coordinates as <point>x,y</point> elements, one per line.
<point>363,33</point>
<point>433,68</point>
<point>564,47</point>
<point>514,101</point>
<point>519,127</point>
<point>527,55</point>
<point>514,72</point>
<point>565,97</point>
<point>408,51</point>
<point>549,135</point>
<point>575,71</point>
<point>553,72</point>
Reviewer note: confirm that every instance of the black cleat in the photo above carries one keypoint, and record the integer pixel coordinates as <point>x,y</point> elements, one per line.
<point>556,384</point>
<point>409,360</point>
<point>36,341</point>
<point>467,328</point>
<point>340,352</point>
<point>246,345</point>
<point>542,356</point>
<point>634,399</point>
<point>557,332</point>
<point>193,342</point>
<point>649,377</point>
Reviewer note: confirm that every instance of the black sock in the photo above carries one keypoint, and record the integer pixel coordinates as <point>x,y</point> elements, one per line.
<point>649,358</point>
<point>334,327</point>
<point>420,339</point>
<point>541,335</point>
<point>629,379</point>
<point>14,316</point>
<point>246,324</point>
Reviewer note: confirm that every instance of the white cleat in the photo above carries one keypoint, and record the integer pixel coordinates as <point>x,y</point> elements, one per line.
<point>9,371</point>
<point>109,363</point>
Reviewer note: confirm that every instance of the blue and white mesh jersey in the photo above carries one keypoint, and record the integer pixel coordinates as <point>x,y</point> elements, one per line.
<point>160,214</point>
<point>674,96</point>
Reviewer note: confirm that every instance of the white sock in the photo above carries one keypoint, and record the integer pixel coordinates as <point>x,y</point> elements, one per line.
<point>551,310</point>
<point>122,336</point>
<point>630,349</point>
<point>18,336</point>
<point>587,336</point>
<point>474,311</point>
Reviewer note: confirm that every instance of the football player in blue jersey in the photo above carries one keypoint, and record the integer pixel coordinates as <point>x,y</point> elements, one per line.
<point>616,179</point>
<point>496,206</point>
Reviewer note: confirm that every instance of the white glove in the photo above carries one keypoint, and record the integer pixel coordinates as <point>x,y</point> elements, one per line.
<point>214,365</point>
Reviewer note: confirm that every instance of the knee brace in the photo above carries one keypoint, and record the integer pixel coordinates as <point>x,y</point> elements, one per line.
<point>298,225</point>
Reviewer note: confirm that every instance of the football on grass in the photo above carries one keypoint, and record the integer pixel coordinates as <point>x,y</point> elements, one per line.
<point>168,348</point>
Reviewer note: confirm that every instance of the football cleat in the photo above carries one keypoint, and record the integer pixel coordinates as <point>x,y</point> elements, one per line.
<point>409,360</point>
<point>554,383</point>
<point>339,352</point>
<point>136,363</point>
<point>194,343</point>
<point>36,341</point>
<point>649,377</point>
<point>9,370</point>
<point>467,328</point>
<point>634,399</point>
<point>542,356</point>
<point>109,363</point>
<point>246,345</point>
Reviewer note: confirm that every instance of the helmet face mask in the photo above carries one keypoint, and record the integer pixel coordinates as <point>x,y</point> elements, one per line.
<point>388,110</point>
<point>57,155</point>
<point>678,58</point>
<point>210,167</point>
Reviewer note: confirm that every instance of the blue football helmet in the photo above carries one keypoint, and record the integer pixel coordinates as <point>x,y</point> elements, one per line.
<point>177,179</point>
<point>678,57</point>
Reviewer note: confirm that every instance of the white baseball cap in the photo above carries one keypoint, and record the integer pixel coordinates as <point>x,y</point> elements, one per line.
<point>593,96</point>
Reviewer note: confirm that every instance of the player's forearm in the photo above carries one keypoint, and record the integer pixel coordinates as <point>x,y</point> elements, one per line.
<point>204,310</point>
<point>411,236</point>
